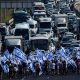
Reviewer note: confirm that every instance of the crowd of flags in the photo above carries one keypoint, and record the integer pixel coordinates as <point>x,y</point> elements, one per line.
<point>18,56</point>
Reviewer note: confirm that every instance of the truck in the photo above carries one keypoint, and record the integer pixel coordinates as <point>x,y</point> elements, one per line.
<point>45,25</point>
<point>21,29</point>
<point>61,22</point>
<point>39,6</point>
<point>13,41</point>
<point>19,16</point>
<point>42,42</point>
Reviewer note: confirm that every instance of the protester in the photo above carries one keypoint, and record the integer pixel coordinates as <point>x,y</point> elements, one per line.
<point>78,65</point>
<point>64,66</point>
<point>0,72</point>
<point>10,71</point>
<point>53,67</point>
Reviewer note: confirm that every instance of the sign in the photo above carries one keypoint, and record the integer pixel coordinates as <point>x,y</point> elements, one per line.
<point>17,4</point>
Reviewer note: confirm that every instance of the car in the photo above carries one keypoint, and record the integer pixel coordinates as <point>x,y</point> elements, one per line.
<point>66,39</point>
<point>75,46</point>
<point>70,34</point>
<point>33,26</point>
<point>37,15</point>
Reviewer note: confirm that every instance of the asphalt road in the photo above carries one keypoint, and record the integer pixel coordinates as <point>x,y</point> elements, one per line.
<point>49,77</point>
<point>58,77</point>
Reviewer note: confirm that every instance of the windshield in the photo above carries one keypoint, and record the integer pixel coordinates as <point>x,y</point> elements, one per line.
<point>2,31</point>
<point>23,32</point>
<point>75,45</point>
<point>65,39</point>
<point>45,25</point>
<point>31,26</point>
<point>39,8</point>
<point>61,25</point>
<point>40,44</point>
<point>40,15</point>
<point>19,18</point>
<point>72,17</point>
<point>49,6</point>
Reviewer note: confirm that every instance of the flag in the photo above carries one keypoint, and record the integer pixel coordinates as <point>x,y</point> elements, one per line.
<point>6,54</point>
<point>4,59</point>
<point>19,54</point>
<point>49,55</point>
<point>39,55</point>
<point>78,54</point>
<point>5,68</point>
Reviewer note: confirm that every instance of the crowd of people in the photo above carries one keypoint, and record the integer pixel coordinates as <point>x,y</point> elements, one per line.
<point>39,62</point>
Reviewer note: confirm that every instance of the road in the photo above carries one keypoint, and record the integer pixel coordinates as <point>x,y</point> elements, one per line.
<point>65,77</point>
<point>49,77</point>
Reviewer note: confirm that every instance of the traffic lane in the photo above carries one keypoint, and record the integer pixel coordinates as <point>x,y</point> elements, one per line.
<point>57,77</point>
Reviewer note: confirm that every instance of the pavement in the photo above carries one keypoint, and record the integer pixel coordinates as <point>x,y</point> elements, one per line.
<point>58,77</point>
<point>49,77</point>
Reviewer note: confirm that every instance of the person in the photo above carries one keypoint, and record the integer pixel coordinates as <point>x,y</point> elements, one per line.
<point>37,68</point>
<point>59,66</point>
<point>0,72</point>
<point>64,66</point>
<point>24,67</point>
<point>78,65</point>
<point>10,71</point>
<point>50,67</point>
<point>53,67</point>
<point>55,61</point>
<point>46,67</point>
<point>20,69</point>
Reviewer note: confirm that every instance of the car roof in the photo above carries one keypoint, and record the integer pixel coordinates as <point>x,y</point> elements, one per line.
<point>13,37</point>
<point>40,36</point>
<point>45,19</point>
<point>10,42</point>
<point>23,25</point>
<point>31,21</point>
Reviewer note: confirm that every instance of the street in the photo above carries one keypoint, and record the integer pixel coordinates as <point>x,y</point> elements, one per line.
<point>61,77</point>
<point>56,77</point>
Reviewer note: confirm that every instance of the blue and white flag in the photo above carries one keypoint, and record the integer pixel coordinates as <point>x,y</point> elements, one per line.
<point>6,54</point>
<point>61,53</point>
<point>78,53</point>
<point>49,55</point>
<point>19,54</point>
<point>39,55</point>
<point>5,68</point>
<point>4,59</point>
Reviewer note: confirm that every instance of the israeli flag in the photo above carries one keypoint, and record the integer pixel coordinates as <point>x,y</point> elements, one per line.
<point>5,68</point>
<point>19,54</point>
<point>6,54</point>
<point>49,55</point>
<point>14,60</point>
<point>71,62</point>
<point>4,59</point>
<point>78,54</point>
<point>39,55</point>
